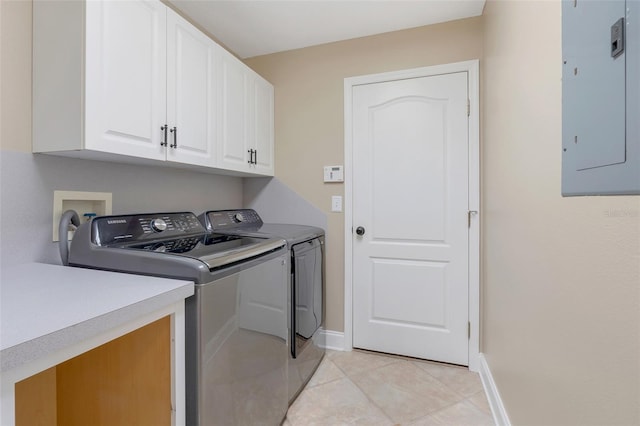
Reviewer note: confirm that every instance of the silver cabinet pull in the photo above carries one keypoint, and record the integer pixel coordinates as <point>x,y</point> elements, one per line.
<point>175,137</point>
<point>163,142</point>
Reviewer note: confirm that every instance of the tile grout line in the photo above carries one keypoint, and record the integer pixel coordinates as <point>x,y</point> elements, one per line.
<point>384,413</point>
<point>382,409</point>
<point>414,362</point>
<point>348,377</point>
<point>464,399</point>
<point>481,389</point>
<point>443,383</point>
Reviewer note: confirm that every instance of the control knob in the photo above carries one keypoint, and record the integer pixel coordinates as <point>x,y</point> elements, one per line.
<point>158,225</point>
<point>238,217</point>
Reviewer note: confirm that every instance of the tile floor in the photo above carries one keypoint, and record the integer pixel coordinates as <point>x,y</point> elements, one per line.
<point>366,388</point>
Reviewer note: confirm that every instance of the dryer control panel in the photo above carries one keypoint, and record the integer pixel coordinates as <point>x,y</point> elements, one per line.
<point>225,220</point>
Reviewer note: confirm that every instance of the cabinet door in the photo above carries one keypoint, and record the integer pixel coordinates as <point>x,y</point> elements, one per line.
<point>261,126</point>
<point>234,132</point>
<point>125,72</point>
<point>191,109</point>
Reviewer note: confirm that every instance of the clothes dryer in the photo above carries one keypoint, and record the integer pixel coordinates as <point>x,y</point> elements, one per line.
<point>306,289</point>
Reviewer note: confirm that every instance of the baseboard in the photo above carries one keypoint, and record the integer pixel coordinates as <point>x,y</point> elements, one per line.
<point>333,340</point>
<point>493,396</point>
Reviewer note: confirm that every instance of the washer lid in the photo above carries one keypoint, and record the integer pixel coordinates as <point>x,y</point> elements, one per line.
<point>215,250</point>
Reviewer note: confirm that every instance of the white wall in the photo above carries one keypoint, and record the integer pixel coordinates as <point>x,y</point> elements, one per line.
<point>28,181</point>
<point>561,276</point>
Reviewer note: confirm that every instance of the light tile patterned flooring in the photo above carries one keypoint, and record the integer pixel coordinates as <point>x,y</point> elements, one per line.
<point>366,388</point>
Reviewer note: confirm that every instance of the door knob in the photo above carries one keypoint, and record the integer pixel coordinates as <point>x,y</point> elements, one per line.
<point>360,230</point>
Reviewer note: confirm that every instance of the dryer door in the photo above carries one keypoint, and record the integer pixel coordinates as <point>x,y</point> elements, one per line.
<point>308,287</point>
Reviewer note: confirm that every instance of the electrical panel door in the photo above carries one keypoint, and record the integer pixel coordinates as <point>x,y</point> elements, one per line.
<point>600,92</point>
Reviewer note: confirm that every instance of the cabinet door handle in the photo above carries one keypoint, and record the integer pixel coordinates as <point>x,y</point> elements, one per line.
<point>175,137</point>
<point>163,142</point>
<point>253,156</point>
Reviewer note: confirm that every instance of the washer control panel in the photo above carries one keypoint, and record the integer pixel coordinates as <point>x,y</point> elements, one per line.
<point>109,230</point>
<point>220,220</point>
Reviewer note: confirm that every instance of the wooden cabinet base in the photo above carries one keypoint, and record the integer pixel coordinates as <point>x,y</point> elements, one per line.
<point>124,382</point>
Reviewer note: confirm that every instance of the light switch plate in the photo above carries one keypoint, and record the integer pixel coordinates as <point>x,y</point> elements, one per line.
<point>336,203</point>
<point>334,173</point>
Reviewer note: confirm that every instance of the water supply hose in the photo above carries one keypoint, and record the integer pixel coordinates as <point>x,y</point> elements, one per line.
<point>70,217</point>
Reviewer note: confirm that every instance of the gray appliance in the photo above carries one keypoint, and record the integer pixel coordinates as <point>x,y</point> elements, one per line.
<point>306,251</point>
<point>237,339</point>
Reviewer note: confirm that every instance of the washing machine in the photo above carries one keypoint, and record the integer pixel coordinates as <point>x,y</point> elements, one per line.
<point>236,323</point>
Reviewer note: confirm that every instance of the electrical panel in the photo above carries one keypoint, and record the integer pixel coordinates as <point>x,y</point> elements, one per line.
<point>600,97</point>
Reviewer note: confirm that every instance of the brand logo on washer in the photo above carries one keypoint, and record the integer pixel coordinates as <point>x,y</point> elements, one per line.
<point>116,221</point>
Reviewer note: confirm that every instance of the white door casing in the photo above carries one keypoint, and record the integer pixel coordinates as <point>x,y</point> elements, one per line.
<point>126,63</point>
<point>412,177</point>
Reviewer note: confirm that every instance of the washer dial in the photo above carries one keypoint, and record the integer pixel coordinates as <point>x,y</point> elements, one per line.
<point>158,225</point>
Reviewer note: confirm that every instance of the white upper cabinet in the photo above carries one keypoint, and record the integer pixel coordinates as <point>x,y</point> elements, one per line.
<point>132,81</point>
<point>125,77</point>
<point>233,140</point>
<point>191,108</point>
<point>245,141</point>
<point>261,129</point>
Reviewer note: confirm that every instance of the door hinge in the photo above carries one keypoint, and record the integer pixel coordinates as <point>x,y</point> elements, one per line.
<point>469,330</point>
<point>468,108</point>
<point>469,214</point>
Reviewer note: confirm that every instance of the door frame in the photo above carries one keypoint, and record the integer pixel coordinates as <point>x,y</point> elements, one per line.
<point>472,67</point>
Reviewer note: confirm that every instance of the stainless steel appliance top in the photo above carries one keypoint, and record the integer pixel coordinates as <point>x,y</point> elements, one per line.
<point>172,245</point>
<point>247,222</point>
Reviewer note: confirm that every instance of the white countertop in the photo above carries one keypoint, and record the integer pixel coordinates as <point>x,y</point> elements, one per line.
<point>45,308</point>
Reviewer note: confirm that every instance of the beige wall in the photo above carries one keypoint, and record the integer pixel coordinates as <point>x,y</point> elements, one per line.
<point>561,282</point>
<point>15,72</point>
<point>309,113</point>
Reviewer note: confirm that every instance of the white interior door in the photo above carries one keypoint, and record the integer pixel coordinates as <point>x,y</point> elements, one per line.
<point>410,196</point>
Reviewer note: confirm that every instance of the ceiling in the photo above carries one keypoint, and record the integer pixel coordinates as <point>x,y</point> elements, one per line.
<point>258,27</point>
